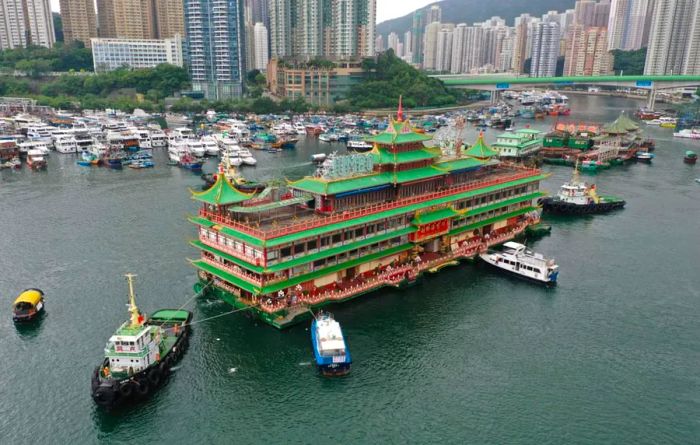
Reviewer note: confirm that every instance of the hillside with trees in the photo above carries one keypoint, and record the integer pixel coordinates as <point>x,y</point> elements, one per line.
<point>388,77</point>
<point>630,62</point>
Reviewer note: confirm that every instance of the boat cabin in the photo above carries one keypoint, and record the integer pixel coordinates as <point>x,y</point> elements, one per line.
<point>132,349</point>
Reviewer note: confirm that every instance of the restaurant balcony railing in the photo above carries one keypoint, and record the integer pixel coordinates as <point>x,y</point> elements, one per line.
<point>319,221</point>
<point>234,270</point>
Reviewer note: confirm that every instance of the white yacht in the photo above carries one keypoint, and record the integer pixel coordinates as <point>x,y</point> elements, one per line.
<point>65,144</point>
<point>299,128</point>
<point>519,260</point>
<point>38,145</point>
<point>196,148</point>
<point>247,157</point>
<point>83,140</point>
<point>211,148</point>
<point>184,133</point>
<point>176,149</point>
<point>144,138</point>
<point>158,138</point>
<point>42,133</point>
<point>231,158</point>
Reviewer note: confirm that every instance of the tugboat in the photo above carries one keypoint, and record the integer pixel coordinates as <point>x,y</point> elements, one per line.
<point>517,259</point>
<point>578,198</point>
<point>28,305</point>
<point>140,354</point>
<point>332,355</point>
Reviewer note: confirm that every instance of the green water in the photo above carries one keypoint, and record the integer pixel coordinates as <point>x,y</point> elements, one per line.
<point>468,356</point>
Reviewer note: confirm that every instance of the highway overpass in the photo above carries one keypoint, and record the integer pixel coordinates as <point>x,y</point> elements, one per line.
<point>496,83</point>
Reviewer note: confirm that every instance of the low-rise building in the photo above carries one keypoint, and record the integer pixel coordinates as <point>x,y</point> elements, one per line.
<point>112,54</point>
<point>317,83</point>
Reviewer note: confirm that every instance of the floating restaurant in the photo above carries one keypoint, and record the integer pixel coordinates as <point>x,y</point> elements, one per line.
<point>362,222</point>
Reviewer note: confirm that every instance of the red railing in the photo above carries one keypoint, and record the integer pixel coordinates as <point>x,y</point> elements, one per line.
<point>230,251</point>
<point>233,271</point>
<point>319,221</point>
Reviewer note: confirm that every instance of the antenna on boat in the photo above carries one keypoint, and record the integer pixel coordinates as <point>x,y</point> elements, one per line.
<point>135,314</point>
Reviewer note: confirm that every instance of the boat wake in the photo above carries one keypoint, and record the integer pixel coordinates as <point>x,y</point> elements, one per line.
<point>305,364</point>
<point>232,370</point>
<point>175,368</point>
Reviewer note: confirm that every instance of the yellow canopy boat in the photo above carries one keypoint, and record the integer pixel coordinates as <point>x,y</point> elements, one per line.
<point>28,305</point>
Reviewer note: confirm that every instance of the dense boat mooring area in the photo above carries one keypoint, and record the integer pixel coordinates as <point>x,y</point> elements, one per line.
<point>466,349</point>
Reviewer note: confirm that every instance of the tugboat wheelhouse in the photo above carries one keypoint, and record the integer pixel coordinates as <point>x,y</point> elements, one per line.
<point>363,222</point>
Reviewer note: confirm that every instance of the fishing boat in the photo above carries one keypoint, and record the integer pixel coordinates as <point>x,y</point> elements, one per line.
<point>140,354</point>
<point>36,160</point>
<point>189,162</point>
<point>28,305</point>
<point>517,259</point>
<point>11,163</point>
<point>87,158</point>
<point>690,157</point>
<point>577,198</point>
<point>141,163</point>
<point>644,156</point>
<point>318,157</point>
<point>358,145</point>
<point>330,351</point>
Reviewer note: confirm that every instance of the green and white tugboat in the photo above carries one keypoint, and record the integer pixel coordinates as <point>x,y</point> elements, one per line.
<point>140,354</point>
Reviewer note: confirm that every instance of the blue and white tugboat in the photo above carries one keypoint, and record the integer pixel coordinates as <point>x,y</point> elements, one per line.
<point>331,353</point>
<point>519,260</point>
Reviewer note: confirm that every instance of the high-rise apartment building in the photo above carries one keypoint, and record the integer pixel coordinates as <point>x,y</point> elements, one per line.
<point>169,18</point>
<point>443,51</point>
<point>13,25</point>
<point>670,42</point>
<point>545,49</point>
<point>134,19</point>
<point>587,52</point>
<point>26,22</point>
<point>214,37</point>
<point>430,45</point>
<point>281,39</point>
<point>520,50</point>
<point>338,29</point>
<point>417,30</point>
<point>79,21</point>
<point>262,47</point>
<point>626,24</point>
<point>459,37</point>
<point>106,27</point>
<point>434,14</point>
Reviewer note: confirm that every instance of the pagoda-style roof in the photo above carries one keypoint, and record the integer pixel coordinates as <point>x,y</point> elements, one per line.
<point>480,150</point>
<point>397,133</point>
<point>383,156</point>
<point>621,125</point>
<point>222,193</point>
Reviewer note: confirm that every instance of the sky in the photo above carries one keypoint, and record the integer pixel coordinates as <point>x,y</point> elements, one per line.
<point>386,9</point>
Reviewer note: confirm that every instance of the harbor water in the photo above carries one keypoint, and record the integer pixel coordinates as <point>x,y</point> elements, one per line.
<point>609,356</point>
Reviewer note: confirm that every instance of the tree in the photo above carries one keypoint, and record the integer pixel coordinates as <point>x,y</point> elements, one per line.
<point>630,62</point>
<point>34,68</point>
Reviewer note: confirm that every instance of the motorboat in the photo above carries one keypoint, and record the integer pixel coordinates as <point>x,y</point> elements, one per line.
<point>211,147</point>
<point>517,259</point>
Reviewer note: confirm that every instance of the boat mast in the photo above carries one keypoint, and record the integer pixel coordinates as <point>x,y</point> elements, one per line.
<point>135,314</point>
